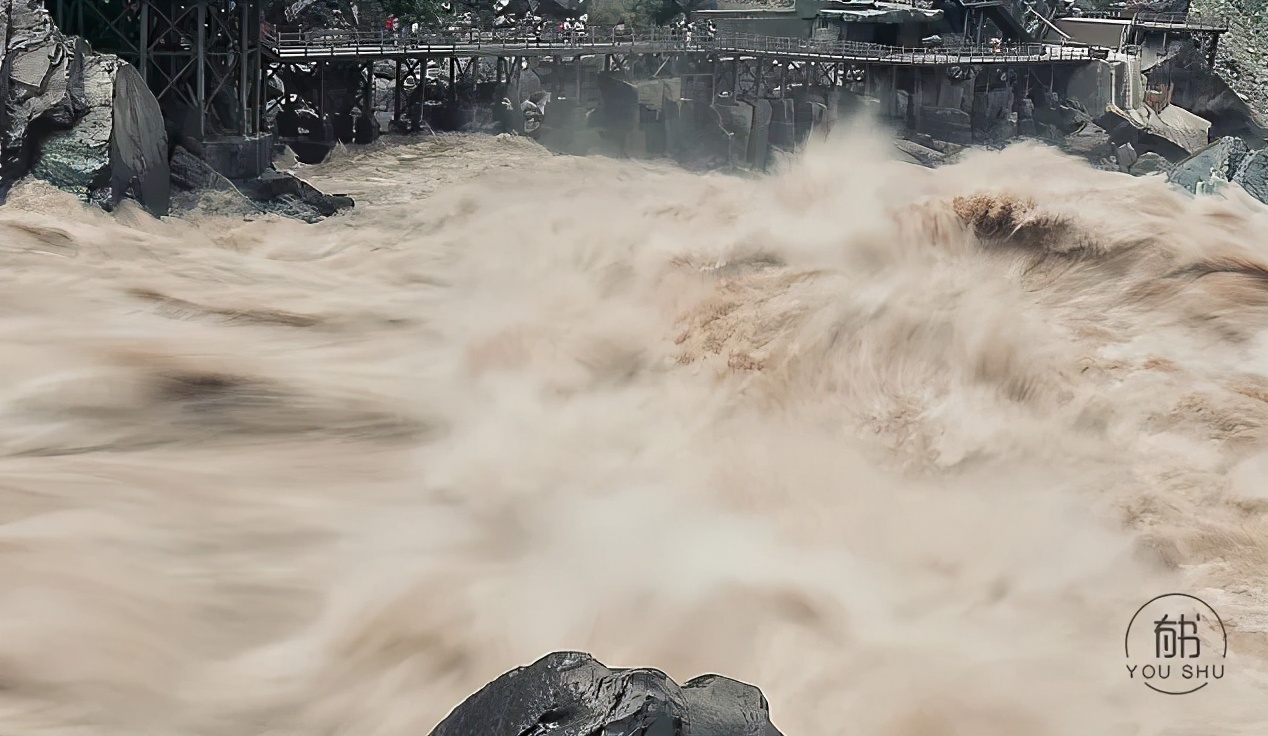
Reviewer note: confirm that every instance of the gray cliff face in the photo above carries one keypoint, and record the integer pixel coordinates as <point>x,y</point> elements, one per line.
<point>82,121</point>
<point>1243,51</point>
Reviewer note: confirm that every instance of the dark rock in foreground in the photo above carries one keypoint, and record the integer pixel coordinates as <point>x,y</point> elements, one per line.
<point>572,694</point>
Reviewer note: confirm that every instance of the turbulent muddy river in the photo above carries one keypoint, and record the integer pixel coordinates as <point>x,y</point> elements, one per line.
<point>905,448</point>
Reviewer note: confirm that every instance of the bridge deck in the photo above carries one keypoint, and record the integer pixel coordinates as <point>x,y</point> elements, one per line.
<point>1190,21</point>
<point>297,47</point>
<point>1181,25</point>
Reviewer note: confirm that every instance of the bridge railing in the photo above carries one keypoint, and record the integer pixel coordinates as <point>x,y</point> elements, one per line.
<point>323,41</point>
<point>743,42</point>
<point>1191,19</point>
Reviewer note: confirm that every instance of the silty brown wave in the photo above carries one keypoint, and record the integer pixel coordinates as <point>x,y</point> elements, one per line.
<point>905,448</point>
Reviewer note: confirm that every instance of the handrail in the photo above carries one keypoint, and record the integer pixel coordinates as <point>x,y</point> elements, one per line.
<point>868,51</point>
<point>1191,19</point>
<point>326,42</point>
<point>394,42</point>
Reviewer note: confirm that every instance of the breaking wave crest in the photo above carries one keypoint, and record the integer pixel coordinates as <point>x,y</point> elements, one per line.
<point>905,448</point>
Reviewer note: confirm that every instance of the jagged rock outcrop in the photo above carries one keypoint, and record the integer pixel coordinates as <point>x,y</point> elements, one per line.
<point>310,14</point>
<point>290,195</point>
<point>190,173</point>
<point>572,694</point>
<point>1150,163</point>
<point>36,67</point>
<point>1171,132</point>
<point>1228,160</point>
<point>84,122</point>
<point>199,187</point>
<point>138,144</point>
<point>1195,87</point>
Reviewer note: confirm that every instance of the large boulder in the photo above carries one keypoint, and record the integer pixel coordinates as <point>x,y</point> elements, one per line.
<point>1172,132</point>
<point>1252,175</point>
<point>1200,90</point>
<point>84,122</point>
<point>138,143</point>
<point>1228,160</point>
<point>572,694</point>
<point>1206,169</point>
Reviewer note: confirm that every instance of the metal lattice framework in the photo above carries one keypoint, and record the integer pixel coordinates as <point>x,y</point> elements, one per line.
<point>202,54</point>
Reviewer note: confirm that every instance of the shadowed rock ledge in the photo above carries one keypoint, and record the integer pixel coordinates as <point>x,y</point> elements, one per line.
<point>572,694</point>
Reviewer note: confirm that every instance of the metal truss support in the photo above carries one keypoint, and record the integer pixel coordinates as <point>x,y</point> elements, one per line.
<point>750,75</point>
<point>724,74</point>
<point>204,54</point>
<point>616,63</point>
<point>108,25</point>
<point>823,74</point>
<point>411,74</point>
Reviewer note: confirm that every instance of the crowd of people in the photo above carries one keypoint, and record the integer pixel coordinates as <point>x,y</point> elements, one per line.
<point>535,27</point>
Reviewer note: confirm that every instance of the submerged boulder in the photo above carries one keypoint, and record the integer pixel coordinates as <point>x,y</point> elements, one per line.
<point>289,195</point>
<point>572,694</point>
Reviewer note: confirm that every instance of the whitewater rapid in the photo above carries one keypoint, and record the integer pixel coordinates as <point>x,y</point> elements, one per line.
<point>905,448</point>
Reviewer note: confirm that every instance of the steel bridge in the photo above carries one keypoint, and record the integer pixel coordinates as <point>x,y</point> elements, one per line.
<point>296,47</point>
<point>209,61</point>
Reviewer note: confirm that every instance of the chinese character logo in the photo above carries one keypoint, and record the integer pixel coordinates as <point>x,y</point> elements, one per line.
<point>1176,644</point>
<point>1175,638</point>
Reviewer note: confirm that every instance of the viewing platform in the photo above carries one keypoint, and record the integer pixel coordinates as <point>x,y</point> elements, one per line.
<point>298,47</point>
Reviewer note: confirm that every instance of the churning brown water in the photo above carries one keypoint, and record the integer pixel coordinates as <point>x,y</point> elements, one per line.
<point>905,448</point>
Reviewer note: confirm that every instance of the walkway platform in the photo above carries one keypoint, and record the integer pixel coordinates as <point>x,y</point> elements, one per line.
<point>363,46</point>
